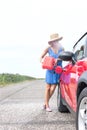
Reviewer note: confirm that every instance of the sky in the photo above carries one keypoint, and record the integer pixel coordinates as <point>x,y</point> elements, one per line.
<point>25,28</point>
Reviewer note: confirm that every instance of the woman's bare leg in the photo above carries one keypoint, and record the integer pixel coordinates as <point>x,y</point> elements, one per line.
<point>47,94</point>
<point>52,89</point>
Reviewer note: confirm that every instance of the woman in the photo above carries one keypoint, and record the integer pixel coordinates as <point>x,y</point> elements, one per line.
<point>52,78</point>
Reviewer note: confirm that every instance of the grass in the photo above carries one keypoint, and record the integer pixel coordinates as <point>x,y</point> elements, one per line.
<point>6,78</point>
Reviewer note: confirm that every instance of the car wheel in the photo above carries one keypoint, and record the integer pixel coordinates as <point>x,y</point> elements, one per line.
<point>61,108</point>
<point>81,116</point>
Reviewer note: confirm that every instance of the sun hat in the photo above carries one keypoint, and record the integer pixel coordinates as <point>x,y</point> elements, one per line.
<point>54,37</point>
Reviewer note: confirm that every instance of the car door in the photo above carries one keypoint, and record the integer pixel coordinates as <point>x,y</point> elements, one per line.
<point>72,72</point>
<point>69,82</point>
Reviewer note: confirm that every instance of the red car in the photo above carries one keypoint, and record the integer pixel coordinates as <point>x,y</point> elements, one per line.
<point>72,90</point>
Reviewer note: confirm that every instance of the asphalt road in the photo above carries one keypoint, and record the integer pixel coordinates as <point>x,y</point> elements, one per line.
<point>21,109</point>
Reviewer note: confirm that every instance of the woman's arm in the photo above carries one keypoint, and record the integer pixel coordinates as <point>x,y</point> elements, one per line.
<point>58,59</point>
<point>44,53</point>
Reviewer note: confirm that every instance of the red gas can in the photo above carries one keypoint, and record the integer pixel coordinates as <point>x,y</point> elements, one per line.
<point>48,63</point>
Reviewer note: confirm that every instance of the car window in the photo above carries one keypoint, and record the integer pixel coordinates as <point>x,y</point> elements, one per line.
<point>79,54</point>
<point>80,48</point>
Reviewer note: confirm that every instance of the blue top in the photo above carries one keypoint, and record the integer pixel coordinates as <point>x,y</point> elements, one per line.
<point>51,76</point>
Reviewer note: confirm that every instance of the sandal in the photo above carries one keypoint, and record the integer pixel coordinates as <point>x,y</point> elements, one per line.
<point>48,109</point>
<point>44,107</point>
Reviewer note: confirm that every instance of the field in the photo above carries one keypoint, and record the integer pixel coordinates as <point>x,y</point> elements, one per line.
<point>7,78</point>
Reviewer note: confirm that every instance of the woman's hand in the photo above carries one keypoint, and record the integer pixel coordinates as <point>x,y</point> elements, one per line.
<point>56,60</point>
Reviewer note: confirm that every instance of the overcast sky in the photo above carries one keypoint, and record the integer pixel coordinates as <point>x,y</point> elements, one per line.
<point>25,27</point>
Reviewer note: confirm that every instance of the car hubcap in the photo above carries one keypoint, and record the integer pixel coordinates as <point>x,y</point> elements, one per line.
<point>82,115</point>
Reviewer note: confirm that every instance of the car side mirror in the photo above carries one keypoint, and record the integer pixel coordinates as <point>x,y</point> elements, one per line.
<point>67,56</point>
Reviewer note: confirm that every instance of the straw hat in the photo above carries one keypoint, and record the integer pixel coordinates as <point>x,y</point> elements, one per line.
<point>54,37</point>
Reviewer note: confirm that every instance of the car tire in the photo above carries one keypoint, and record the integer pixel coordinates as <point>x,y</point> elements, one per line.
<point>81,114</point>
<point>61,108</point>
